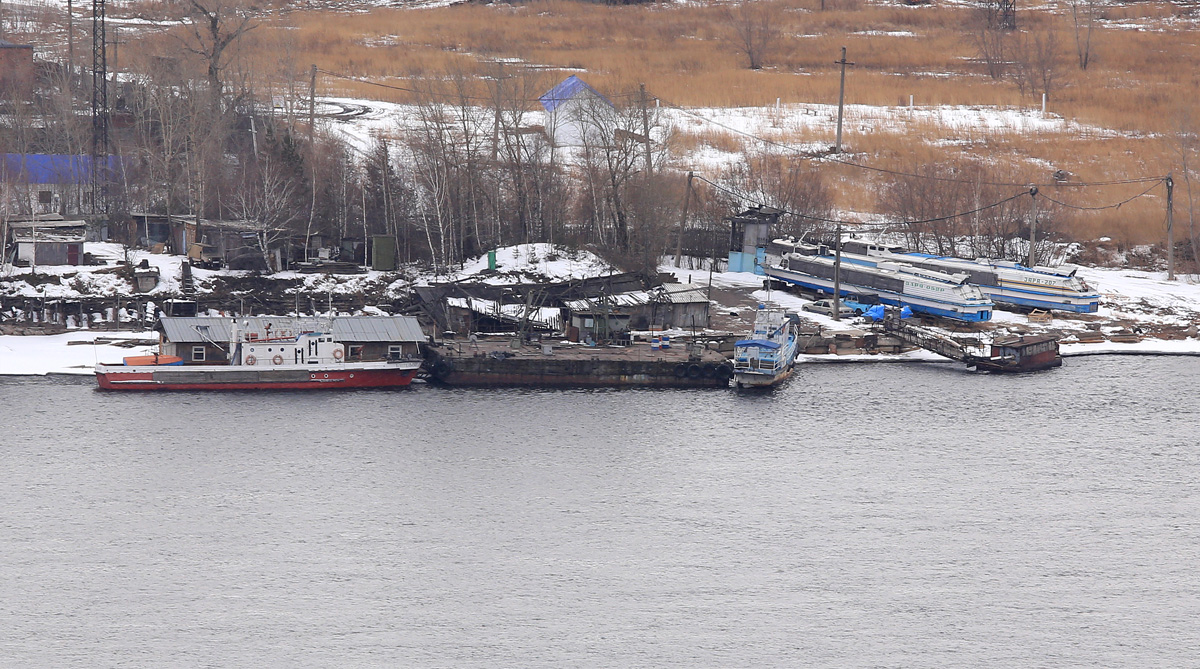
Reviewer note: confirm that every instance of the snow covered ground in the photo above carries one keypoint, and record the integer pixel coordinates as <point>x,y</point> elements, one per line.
<point>54,355</point>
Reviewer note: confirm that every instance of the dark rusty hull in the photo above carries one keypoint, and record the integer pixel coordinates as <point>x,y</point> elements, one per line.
<point>1006,366</point>
<point>584,373</point>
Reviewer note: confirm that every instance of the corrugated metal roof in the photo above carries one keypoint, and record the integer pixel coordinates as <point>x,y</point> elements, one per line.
<point>377,328</point>
<point>345,329</point>
<point>684,293</point>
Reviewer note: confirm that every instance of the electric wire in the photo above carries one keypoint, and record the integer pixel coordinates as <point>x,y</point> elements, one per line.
<point>1101,208</point>
<point>822,219</point>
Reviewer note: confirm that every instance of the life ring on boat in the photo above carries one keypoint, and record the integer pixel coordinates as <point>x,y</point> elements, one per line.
<point>337,354</point>
<point>250,360</point>
<point>694,371</point>
<point>680,371</point>
<point>277,360</point>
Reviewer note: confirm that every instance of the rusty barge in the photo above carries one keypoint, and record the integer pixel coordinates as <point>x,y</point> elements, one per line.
<point>513,361</point>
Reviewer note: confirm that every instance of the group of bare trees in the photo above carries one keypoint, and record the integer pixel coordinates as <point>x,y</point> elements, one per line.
<point>966,209</point>
<point>1030,56</point>
<point>467,172</point>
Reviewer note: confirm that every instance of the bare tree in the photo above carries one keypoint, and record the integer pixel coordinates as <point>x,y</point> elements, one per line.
<point>1185,142</point>
<point>215,26</point>
<point>1039,61</point>
<point>266,202</point>
<point>754,27</point>
<point>991,40</point>
<point>793,186</point>
<point>1083,16</point>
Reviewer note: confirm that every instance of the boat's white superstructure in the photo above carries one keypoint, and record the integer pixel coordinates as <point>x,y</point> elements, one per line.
<point>1003,281</point>
<point>768,355</point>
<point>926,291</point>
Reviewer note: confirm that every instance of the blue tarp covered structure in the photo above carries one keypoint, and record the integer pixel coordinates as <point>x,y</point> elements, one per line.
<point>760,343</point>
<point>876,312</point>
<point>565,90</point>
<point>51,168</point>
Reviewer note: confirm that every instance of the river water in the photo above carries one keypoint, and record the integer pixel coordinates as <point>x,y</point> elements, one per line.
<point>866,515</point>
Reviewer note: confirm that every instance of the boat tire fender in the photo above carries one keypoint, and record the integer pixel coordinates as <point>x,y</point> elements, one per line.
<point>694,371</point>
<point>250,360</point>
<point>442,368</point>
<point>277,360</point>
<point>680,371</point>
<point>724,371</point>
<point>709,371</point>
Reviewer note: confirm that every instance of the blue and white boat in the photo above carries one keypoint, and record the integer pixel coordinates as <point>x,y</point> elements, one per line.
<point>768,356</point>
<point>1004,281</point>
<point>925,291</point>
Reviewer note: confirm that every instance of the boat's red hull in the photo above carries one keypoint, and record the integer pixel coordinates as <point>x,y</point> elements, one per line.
<point>324,379</point>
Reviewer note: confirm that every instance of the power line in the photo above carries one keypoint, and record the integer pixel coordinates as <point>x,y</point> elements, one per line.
<point>1107,206</point>
<point>743,196</point>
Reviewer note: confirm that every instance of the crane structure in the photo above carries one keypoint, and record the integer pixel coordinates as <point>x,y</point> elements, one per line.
<point>99,158</point>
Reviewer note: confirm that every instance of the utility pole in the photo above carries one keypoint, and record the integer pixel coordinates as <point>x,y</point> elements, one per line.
<point>841,99</point>
<point>687,196</point>
<point>70,45</point>
<point>254,136</point>
<point>312,105</point>
<point>312,154</point>
<point>1032,259</point>
<point>1170,228</point>
<point>837,272</point>
<point>646,129</point>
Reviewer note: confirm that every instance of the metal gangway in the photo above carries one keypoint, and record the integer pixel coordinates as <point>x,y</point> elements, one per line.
<point>925,338</point>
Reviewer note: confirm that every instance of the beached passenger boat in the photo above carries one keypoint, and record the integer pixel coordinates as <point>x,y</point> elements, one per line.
<point>257,361</point>
<point>925,291</point>
<point>768,356</point>
<point>1003,281</point>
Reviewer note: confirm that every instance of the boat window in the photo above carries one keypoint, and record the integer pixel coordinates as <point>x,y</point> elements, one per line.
<point>197,354</point>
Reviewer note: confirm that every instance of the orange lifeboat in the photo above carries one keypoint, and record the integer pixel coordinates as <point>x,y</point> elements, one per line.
<point>139,360</point>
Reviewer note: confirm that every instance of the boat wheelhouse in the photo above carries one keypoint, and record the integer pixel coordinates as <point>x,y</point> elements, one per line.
<point>768,356</point>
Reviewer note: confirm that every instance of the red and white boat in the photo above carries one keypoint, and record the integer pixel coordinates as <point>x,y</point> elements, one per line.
<point>303,361</point>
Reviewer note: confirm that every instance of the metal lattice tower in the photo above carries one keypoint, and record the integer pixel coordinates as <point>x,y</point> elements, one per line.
<point>1008,14</point>
<point>99,107</point>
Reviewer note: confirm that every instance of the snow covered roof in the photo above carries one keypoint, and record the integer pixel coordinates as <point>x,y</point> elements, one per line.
<point>546,317</point>
<point>668,293</point>
<point>347,329</point>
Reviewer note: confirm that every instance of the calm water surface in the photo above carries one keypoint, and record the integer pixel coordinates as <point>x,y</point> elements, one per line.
<point>862,516</point>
